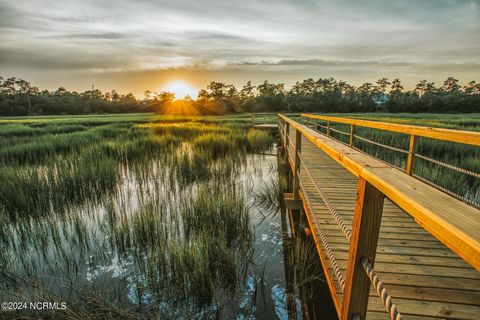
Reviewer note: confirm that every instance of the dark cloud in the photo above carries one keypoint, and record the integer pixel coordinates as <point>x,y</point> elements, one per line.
<point>357,64</point>
<point>215,36</point>
<point>54,60</point>
<point>319,62</point>
<point>94,36</point>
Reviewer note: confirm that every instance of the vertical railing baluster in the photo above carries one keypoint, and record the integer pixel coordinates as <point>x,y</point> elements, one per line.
<point>352,134</point>
<point>296,169</point>
<point>363,243</point>
<point>287,129</point>
<point>411,155</point>
<point>328,128</point>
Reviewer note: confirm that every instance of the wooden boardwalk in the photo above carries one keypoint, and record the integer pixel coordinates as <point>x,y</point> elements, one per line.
<point>424,278</point>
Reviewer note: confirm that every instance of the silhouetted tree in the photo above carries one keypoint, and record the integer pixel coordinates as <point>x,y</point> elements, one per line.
<point>472,88</point>
<point>451,86</point>
<point>382,85</point>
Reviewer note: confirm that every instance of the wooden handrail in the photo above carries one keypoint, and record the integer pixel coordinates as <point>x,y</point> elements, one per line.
<point>264,114</point>
<point>452,221</point>
<point>466,137</point>
<point>457,136</point>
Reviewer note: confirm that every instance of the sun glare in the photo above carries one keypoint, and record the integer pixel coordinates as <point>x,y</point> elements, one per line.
<point>181,89</point>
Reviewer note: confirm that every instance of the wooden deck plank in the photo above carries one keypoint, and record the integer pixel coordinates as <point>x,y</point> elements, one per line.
<point>433,309</point>
<point>429,282</point>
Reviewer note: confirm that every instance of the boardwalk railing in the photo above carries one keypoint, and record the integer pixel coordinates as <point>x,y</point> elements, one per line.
<point>451,221</point>
<point>414,132</point>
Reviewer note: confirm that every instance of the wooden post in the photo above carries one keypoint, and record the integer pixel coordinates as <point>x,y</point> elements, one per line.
<point>328,128</point>
<point>366,228</point>
<point>288,268</point>
<point>352,133</point>
<point>286,128</point>
<point>411,153</point>
<point>296,170</point>
<point>253,119</point>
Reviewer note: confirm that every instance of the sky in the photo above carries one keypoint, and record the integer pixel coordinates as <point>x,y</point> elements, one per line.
<point>132,46</point>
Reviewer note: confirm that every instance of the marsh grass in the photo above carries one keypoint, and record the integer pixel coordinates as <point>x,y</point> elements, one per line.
<point>154,209</point>
<point>302,254</point>
<point>269,196</point>
<point>215,145</point>
<point>259,140</point>
<point>142,147</point>
<point>186,130</point>
<point>22,130</point>
<point>227,209</point>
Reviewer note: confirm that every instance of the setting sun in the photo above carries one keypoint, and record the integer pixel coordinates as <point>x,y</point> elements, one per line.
<point>181,89</point>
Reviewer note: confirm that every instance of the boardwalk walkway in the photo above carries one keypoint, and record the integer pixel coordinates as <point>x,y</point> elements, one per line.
<point>424,278</point>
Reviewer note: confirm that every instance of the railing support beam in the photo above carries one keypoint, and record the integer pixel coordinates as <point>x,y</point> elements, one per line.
<point>411,159</point>
<point>291,203</point>
<point>286,142</point>
<point>363,243</point>
<point>352,134</point>
<point>296,169</point>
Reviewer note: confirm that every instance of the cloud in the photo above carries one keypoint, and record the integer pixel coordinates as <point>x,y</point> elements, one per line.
<point>270,38</point>
<point>320,62</point>
<point>362,63</point>
<point>93,36</point>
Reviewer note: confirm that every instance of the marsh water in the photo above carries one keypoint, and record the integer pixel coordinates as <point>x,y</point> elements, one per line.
<point>164,242</point>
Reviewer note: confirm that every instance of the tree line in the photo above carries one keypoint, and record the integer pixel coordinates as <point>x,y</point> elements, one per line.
<point>18,97</point>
